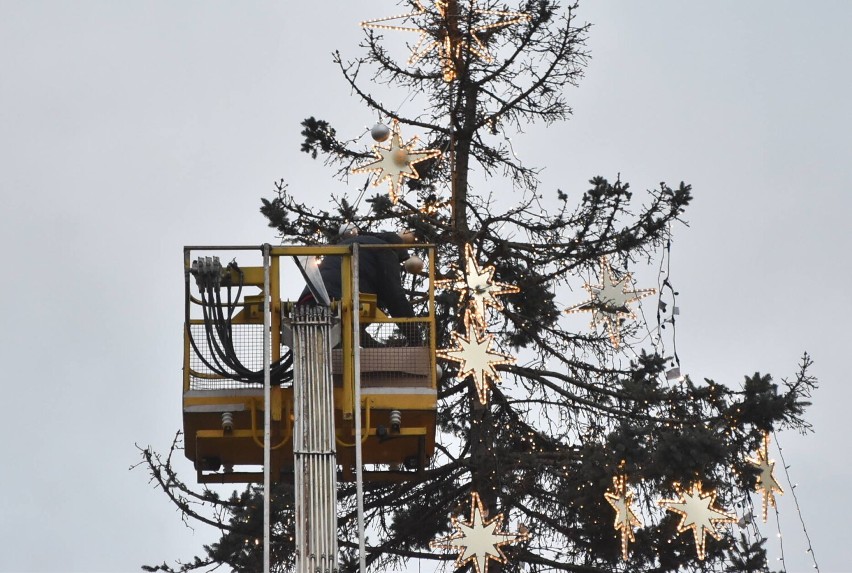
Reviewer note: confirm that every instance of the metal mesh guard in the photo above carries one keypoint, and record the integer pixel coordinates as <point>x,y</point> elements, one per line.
<point>394,355</point>
<point>248,344</point>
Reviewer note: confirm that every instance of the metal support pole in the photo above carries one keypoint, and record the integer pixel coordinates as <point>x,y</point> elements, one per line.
<point>314,459</point>
<point>267,409</point>
<point>356,361</point>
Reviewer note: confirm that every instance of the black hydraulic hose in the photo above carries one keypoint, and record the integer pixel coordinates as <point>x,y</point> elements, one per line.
<point>218,330</point>
<point>216,351</point>
<point>224,333</point>
<point>192,342</point>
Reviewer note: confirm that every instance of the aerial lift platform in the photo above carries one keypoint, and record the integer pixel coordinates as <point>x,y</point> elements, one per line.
<point>223,368</point>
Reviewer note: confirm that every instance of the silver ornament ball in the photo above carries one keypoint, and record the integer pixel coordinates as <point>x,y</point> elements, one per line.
<point>347,230</point>
<point>380,132</point>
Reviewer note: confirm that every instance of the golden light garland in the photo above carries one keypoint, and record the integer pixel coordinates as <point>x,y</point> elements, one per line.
<point>477,288</point>
<point>395,162</point>
<point>766,484</point>
<point>695,507</point>
<point>448,39</point>
<point>621,500</point>
<point>480,539</point>
<point>476,359</point>
<point>433,205</point>
<point>609,301</point>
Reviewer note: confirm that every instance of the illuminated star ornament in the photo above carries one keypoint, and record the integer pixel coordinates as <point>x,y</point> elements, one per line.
<point>609,301</point>
<point>448,37</point>
<point>480,539</point>
<point>395,162</point>
<point>621,498</point>
<point>477,288</point>
<point>476,359</point>
<point>767,485</point>
<point>697,513</point>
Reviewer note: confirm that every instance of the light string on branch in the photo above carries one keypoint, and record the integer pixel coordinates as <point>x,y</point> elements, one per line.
<point>810,549</point>
<point>781,558</point>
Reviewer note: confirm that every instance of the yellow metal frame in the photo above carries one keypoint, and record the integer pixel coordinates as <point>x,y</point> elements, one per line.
<point>205,437</point>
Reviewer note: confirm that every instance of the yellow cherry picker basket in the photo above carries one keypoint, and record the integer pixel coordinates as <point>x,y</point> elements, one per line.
<point>229,306</point>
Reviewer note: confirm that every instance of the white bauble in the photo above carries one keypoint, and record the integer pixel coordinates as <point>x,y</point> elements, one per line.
<point>380,132</point>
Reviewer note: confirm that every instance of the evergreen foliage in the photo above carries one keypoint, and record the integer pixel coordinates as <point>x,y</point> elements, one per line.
<point>573,410</point>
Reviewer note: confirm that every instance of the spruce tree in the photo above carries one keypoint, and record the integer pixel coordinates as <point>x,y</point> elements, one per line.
<point>578,407</point>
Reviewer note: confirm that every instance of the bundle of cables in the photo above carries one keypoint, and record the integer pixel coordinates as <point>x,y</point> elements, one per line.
<point>222,358</point>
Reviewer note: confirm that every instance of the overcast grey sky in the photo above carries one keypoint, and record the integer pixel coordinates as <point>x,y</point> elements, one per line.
<point>129,129</point>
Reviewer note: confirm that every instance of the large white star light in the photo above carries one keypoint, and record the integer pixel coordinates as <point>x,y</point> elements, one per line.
<point>766,484</point>
<point>697,513</point>
<point>476,359</point>
<point>609,301</point>
<point>449,37</point>
<point>480,539</point>
<point>395,162</point>
<point>621,499</point>
<point>477,288</point>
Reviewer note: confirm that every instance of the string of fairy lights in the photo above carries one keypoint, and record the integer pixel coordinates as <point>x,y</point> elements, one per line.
<point>610,302</point>
<point>810,549</point>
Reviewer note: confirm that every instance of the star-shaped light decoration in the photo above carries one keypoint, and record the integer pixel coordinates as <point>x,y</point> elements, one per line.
<point>697,513</point>
<point>609,301</point>
<point>449,38</point>
<point>621,498</point>
<point>476,359</point>
<point>766,484</point>
<point>479,539</point>
<point>395,162</point>
<point>477,288</point>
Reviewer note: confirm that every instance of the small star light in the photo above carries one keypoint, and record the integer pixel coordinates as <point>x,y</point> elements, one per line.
<point>609,301</point>
<point>478,289</point>
<point>697,513</point>
<point>396,161</point>
<point>621,498</point>
<point>476,359</point>
<point>766,484</point>
<point>448,38</point>
<point>479,539</point>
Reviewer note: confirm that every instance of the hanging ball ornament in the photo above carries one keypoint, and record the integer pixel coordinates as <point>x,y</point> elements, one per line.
<point>413,265</point>
<point>347,230</point>
<point>380,132</point>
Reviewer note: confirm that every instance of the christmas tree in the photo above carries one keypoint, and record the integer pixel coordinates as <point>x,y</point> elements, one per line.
<point>561,448</point>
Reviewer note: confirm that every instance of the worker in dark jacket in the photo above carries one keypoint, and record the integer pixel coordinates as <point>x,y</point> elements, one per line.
<point>378,273</point>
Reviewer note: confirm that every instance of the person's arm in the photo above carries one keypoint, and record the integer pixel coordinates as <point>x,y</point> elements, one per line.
<point>391,294</point>
<point>393,298</point>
